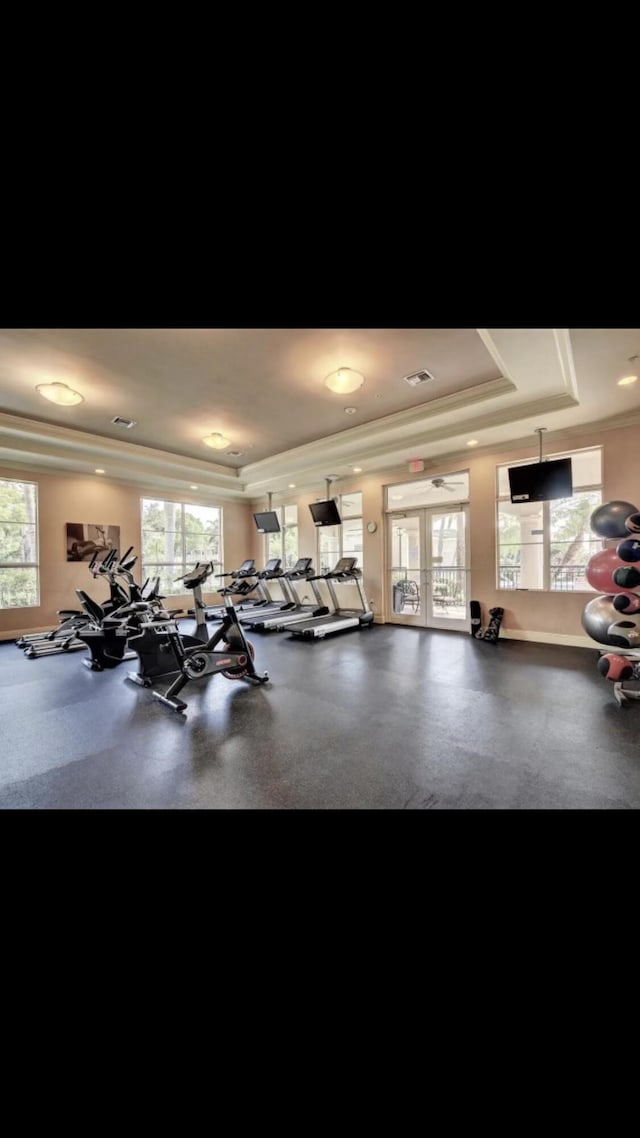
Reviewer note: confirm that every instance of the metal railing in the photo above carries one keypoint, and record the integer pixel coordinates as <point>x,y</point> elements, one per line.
<point>564,578</point>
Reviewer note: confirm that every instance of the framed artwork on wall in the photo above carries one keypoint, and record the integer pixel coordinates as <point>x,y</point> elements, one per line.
<point>83,540</point>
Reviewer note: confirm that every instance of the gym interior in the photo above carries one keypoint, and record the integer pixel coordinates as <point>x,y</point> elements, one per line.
<point>407,632</point>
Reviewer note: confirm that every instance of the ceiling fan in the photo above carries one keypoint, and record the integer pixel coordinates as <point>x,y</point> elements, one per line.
<point>443,484</point>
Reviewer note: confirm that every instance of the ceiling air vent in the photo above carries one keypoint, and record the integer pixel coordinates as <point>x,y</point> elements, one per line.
<point>120,421</point>
<point>417,378</point>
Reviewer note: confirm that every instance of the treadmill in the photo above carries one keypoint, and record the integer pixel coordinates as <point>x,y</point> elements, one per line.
<point>341,619</point>
<point>296,612</point>
<point>240,586</point>
<point>266,606</point>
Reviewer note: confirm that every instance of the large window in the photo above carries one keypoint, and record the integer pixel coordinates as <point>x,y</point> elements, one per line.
<point>19,577</point>
<point>344,540</point>
<point>174,536</point>
<point>547,545</point>
<point>285,544</point>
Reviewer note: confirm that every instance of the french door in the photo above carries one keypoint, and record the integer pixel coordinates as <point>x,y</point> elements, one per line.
<point>427,551</point>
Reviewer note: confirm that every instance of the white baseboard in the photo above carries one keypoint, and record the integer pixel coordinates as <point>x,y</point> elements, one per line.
<point>550,638</point>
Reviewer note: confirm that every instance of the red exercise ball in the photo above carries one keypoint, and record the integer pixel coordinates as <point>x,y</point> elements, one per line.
<point>614,667</point>
<point>600,568</point>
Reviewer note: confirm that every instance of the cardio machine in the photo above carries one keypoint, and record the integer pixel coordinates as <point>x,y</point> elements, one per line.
<point>234,660</point>
<point>149,640</point>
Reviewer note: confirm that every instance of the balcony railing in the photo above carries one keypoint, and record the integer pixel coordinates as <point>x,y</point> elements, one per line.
<point>564,578</point>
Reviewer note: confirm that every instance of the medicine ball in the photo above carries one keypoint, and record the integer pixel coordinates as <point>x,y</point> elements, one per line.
<point>615,668</point>
<point>609,520</point>
<point>632,523</point>
<point>626,576</point>
<point>626,602</point>
<point>625,632</point>
<point>629,549</point>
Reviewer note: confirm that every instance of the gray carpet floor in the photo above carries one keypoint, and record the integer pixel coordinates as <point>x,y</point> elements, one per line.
<point>382,719</point>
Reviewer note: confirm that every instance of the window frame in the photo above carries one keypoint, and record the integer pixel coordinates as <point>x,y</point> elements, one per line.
<point>547,540</point>
<point>151,569</point>
<point>285,528</point>
<point>351,518</point>
<point>36,530</point>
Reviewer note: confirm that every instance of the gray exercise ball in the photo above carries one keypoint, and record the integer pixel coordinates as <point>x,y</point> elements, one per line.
<point>608,520</point>
<point>597,618</point>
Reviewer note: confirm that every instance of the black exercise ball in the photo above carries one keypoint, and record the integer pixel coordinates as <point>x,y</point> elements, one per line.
<point>626,602</point>
<point>609,520</point>
<point>626,577</point>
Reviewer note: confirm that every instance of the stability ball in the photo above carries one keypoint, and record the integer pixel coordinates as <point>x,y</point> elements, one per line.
<point>615,668</point>
<point>600,570</point>
<point>597,618</point>
<point>609,520</point>
<point>632,523</point>
<point>626,602</point>
<point>629,549</point>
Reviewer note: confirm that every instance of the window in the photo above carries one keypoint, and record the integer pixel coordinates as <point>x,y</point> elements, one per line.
<point>344,540</point>
<point>547,545</point>
<point>285,544</point>
<point>174,536</point>
<point>19,576</point>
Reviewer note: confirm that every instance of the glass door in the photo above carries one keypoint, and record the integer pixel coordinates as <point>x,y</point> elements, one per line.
<point>428,575</point>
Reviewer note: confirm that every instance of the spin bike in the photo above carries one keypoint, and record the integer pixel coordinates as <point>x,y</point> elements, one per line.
<point>234,660</point>
<point>151,643</point>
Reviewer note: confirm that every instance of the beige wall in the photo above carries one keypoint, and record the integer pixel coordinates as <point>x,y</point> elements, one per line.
<point>65,498</point>
<point>70,498</point>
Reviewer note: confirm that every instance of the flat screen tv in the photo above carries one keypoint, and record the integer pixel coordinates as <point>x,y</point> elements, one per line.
<point>267,522</point>
<point>325,513</point>
<point>541,481</point>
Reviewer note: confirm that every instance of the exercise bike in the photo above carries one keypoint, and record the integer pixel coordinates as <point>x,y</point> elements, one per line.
<point>150,639</point>
<point>234,660</point>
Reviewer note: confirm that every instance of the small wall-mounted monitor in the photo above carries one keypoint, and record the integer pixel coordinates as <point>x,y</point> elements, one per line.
<point>325,513</point>
<point>267,522</point>
<point>541,481</point>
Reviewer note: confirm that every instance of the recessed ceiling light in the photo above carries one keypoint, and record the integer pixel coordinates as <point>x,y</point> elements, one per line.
<point>99,470</point>
<point>292,485</point>
<point>193,487</point>
<point>627,380</point>
<point>472,443</point>
<point>217,441</point>
<point>60,393</point>
<point>350,410</point>
<point>357,470</point>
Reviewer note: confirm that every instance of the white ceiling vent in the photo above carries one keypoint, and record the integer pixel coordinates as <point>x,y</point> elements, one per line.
<point>417,378</point>
<point>120,421</point>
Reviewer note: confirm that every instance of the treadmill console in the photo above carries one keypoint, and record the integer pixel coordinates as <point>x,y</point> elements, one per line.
<point>245,569</point>
<point>345,565</point>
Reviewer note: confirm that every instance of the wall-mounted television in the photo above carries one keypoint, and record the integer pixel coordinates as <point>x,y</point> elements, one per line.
<point>267,522</point>
<point>325,513</point>
<point>541,481</point>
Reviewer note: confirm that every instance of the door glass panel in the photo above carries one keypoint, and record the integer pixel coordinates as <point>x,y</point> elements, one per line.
<point>448,590</point>
<point>405,565</point>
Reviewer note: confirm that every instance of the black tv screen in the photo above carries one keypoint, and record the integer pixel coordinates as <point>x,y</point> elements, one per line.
<point>541,481</point>
<point>267,522</point>
<point>325,513</point>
